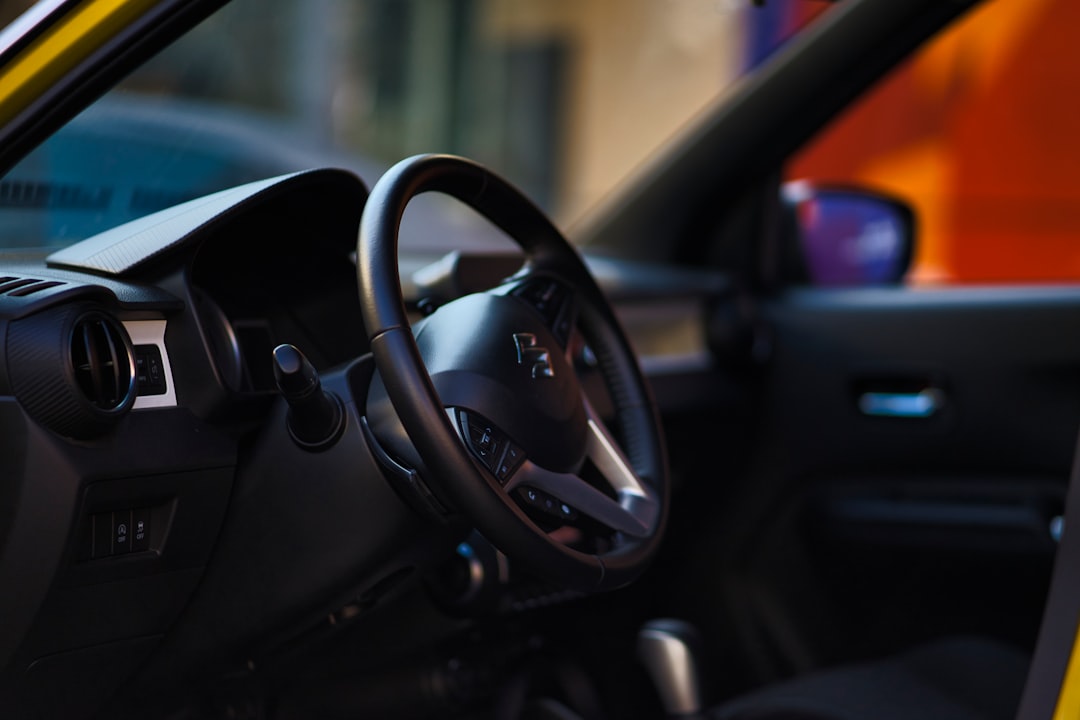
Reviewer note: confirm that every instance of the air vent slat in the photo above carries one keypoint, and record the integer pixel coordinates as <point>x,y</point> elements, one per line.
<point>38,286</point>
<point>22,286</point>
<point>102,363</point>
<point>93,362</point>
<point>112,364</point>
<point>15,284</point>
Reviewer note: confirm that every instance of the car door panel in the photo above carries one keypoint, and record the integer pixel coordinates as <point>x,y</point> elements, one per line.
<point>1003,360</point>
<point>945,519</point>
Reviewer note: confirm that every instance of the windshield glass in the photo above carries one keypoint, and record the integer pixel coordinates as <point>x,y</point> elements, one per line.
<point>563,97</point>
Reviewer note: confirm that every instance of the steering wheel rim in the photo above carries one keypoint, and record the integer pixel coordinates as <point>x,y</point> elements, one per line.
<point>640,482</point>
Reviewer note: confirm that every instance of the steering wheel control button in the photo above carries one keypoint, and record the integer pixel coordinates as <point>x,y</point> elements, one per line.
<point>140,530</point>
<point>485,441</point>
<point>490,445</point>
<point>121,532</point>
<point>149,371</point>
<point>547,504</point>
<point>511,458</point>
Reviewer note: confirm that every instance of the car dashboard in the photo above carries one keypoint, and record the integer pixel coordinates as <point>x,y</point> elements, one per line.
<point>155,515</point>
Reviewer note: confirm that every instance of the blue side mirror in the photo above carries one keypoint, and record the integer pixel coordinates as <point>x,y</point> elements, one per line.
<point>849,237</point>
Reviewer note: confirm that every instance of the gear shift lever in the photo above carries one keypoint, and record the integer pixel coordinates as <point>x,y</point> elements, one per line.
<point>667,650</point>
<point>315,420</point>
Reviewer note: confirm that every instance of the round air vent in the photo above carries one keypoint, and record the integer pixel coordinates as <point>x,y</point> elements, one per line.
<point>103,362</point>
<point>72,369</point>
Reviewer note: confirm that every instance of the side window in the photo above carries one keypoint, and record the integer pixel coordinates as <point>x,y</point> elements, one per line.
<point>979,134</point>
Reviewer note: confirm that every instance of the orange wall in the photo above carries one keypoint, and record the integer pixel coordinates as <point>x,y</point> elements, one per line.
<point>981,134</point>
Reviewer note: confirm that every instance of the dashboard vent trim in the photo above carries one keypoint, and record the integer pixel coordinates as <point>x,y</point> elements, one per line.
<point>72,368</point>
<point>103,362</point>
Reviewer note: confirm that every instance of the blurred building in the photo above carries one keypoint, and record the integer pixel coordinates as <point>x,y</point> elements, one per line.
<point>562,96</point>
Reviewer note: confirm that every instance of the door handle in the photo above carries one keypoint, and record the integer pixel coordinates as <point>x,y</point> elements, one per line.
<point>916,405</point>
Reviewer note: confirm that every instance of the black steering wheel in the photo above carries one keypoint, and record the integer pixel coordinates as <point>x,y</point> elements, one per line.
<point>487,393</point>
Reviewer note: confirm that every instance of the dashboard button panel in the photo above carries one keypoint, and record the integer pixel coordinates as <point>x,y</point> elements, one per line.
<point>117,533</point>
<point>149,371</point>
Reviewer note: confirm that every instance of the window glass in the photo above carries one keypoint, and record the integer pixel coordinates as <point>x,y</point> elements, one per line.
<point>979,134</point>
<point>564,97</point>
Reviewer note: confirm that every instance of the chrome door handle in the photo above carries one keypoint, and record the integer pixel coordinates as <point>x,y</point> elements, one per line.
<point>923,404</point>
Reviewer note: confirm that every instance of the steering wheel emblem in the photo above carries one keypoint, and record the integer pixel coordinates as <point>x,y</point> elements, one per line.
<point>529,353</point>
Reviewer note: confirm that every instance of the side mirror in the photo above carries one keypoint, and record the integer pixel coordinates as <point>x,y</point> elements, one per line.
<point>847,237</point>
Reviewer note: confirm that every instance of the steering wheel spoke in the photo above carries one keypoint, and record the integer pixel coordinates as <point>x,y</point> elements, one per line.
<point>609,459</point>
<point>633,511</point>
<point>565,495</point>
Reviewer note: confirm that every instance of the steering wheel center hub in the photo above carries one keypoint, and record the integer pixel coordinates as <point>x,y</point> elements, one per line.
<point>493,355</point>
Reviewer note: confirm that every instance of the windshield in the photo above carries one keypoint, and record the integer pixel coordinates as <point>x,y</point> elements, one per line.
<point>565,98</point>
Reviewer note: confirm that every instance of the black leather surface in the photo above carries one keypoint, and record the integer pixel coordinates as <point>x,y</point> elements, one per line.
<point>956,679</point>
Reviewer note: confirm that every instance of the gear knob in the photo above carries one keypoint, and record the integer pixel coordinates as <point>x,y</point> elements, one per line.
<point>668,650</point>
